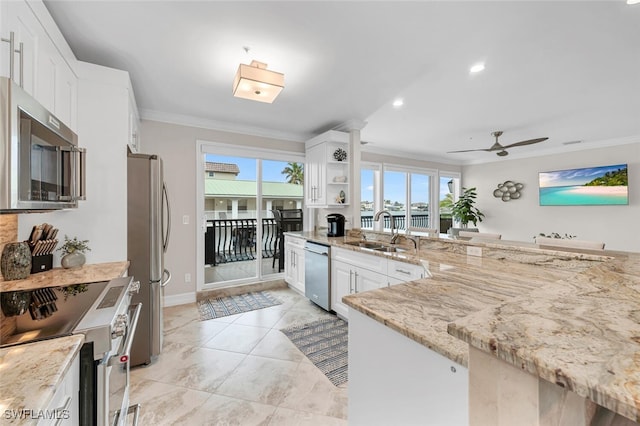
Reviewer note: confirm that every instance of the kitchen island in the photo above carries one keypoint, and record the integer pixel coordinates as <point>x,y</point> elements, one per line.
<point>469,292</point>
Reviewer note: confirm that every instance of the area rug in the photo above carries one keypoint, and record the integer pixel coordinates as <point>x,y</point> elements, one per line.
<point>325,343</point>
<point>230,305</point>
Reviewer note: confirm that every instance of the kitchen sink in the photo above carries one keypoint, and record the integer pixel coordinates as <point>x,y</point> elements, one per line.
<point>373,245</point>
<point>390,249</point>
<point>376,246</point>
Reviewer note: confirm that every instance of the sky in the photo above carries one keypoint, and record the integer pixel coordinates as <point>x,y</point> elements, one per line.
<point>573,177</point>
<point>394,181</point>
<point>271,170</point>
<point>394,187</point>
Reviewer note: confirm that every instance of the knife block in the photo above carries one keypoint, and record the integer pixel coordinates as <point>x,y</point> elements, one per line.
<point>41,263</point>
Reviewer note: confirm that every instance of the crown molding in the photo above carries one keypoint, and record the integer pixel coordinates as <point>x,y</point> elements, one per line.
<point>421,156</point>
<point>205,123</point>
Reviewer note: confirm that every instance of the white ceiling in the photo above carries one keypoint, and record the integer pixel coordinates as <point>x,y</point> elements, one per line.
<point>565,70</point>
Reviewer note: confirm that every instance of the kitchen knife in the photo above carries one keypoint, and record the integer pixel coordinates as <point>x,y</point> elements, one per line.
<point>37,234</point>
<point>54,234</point>
<point>33,232</point>
<point>46,231</point>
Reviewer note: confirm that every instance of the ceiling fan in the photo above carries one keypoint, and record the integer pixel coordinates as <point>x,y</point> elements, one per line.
<point>502,148</point>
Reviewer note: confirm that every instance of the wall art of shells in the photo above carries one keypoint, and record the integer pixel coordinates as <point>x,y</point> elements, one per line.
<point>509,190</point>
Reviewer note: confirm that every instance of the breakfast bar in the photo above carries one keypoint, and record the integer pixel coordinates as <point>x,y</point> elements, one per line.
<point>566,322</point>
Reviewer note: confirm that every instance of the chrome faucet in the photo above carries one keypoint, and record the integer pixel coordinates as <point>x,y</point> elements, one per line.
<point>394,235</point>
<point>415,240</point>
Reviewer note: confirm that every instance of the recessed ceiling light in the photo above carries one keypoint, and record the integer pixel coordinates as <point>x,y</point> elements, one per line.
<point>477,68</point>
<point>398,103</point>
<point>633,1</point>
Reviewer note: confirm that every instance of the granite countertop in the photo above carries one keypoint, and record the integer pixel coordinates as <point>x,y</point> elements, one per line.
<point>568,317</point>
<point>582,333</point>
<point>31,373</point>
<point>88,273</point>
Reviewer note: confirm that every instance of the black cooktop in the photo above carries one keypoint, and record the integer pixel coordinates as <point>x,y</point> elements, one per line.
<point>45,313</point>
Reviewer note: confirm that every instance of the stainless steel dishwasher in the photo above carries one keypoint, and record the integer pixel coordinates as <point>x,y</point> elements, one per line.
<point>316,274</point>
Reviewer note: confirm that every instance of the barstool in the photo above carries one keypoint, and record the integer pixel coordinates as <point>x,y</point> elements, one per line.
<point>288,220</point>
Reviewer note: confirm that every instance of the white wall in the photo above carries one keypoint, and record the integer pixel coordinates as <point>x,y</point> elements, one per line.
<point>521,219</point>
<point>176,145</point>
<point>102,130</point>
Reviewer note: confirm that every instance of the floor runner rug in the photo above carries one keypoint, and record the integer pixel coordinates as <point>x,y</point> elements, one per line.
<point>231,305</point>
<point>325,343</point>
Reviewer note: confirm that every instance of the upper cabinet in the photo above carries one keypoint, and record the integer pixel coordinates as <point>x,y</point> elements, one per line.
<point>327,170</point>
<point>36,62</point>
<point>134,124</point>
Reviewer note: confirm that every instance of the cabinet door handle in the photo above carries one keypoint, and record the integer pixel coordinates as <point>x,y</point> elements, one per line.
<point>350,282</point>
<point>356,280</point>
<point>20,52</point>
<point>12,43</point>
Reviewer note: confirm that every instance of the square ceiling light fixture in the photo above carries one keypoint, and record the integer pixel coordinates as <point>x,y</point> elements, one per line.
<point>257,83</point>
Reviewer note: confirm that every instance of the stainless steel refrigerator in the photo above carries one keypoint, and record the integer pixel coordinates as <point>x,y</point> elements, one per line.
<point>148,230</point>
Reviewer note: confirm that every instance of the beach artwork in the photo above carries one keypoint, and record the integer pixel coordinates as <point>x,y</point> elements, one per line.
<point>602,185</point>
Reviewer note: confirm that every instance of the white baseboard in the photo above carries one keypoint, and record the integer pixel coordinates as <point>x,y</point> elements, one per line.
<point>179,299</point>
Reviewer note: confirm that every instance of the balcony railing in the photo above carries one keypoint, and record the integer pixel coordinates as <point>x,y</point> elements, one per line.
<point>417,221</point>
<point>234,240</point>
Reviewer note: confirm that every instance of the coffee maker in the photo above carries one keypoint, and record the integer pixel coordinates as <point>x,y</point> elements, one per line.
<point>335,222</point>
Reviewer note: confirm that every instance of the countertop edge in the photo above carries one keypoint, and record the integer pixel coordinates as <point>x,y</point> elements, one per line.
<point>37,395</point>
<point>60,277</point>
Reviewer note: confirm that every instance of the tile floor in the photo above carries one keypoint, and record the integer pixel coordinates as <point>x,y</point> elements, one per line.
<point>237,370</point>
<point>238,270</point>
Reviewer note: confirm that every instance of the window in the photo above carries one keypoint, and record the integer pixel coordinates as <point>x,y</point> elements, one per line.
<point>407,195</point>
<point>415,197</point>
<point>449,189</point>
<point>369,174</point>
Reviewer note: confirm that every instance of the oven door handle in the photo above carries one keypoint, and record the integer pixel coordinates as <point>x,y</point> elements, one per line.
<point>133,324</point>
<point>135,409</point>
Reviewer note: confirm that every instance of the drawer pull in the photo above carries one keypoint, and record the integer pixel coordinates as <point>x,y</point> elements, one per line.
<point>402,271</point>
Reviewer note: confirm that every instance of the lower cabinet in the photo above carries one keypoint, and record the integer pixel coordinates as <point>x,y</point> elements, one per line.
<point>294,262</point>
<point>348,279</point>
<point>65,401</point>
<point>394,380</point>
<point>355,272</point>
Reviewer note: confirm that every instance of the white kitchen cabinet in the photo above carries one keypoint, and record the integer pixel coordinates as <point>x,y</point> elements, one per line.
<point>394,380</point>
<point>327,178</point>
<point>294,262</point>
<point>353,272</point>
<point>404,272</point>
<point>341,286</point>
<point>134,125</point>
<point>65,400</point>
<point>40,67</point>
<point>361,260</point>
<point>57,88</point>
<point>17,18</point>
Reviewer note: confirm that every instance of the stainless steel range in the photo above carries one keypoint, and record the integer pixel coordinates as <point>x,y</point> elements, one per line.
<point>101,311</point>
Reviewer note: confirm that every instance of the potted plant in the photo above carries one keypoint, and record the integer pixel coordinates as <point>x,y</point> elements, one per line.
<point>73,252</point>
<point>464,211</point>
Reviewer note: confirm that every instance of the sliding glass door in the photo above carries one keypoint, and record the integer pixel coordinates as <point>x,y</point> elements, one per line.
<point>240,194</point>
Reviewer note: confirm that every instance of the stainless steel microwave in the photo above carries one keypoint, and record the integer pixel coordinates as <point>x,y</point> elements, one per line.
<point>41,165</point>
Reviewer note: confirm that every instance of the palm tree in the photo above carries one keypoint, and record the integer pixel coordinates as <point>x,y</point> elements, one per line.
<point>294,172</point>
